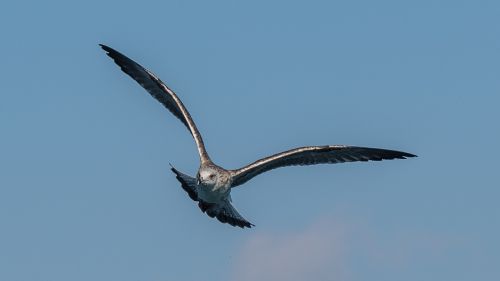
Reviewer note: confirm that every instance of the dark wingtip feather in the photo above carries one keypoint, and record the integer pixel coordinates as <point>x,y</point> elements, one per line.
<point>385,154</point>
<point>119,58</point>
<point>405,155</point>
<point>107,49</point>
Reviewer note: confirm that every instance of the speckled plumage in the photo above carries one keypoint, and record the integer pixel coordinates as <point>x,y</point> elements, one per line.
<point>212,186</point>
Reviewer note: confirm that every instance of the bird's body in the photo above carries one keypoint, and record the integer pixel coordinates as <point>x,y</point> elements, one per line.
<point>214,183</point>
<point>211,187</point>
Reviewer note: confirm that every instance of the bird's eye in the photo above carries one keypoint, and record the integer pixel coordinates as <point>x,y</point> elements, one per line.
<point>212,176</point>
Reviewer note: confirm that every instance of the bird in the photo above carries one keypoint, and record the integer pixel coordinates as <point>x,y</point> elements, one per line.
<point>212,185</point>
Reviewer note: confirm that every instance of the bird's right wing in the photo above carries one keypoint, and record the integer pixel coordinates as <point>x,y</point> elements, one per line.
<point>312,155</point>
<point>225,213</point>
<point>160,92</point>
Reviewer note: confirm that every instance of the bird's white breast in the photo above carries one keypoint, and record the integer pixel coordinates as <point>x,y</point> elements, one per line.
<point>209,195</point>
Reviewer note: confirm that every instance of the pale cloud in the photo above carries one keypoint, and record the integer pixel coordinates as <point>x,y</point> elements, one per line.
<point>314,253</point>
<point>405,248</point>
<point>329,250</point>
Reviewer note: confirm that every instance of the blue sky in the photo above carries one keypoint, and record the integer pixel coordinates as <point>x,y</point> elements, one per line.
<point>85,187</point>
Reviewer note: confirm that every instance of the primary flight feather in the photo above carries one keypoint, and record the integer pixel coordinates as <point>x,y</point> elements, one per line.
<point>212,185</point>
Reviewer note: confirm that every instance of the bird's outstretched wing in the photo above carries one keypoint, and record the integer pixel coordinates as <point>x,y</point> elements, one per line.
<point>160,92</point>
<point>311,155</point>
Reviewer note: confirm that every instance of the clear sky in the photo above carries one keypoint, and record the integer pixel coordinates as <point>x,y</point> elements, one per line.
<point>85,187</point>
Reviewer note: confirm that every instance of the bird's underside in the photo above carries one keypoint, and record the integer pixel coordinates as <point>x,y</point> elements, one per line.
<point>212,185</point>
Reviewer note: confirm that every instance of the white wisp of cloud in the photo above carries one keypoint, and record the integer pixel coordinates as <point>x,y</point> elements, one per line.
<point>312,254</point>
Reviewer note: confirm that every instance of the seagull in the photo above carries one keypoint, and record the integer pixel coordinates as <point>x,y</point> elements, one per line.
<point>212,186</point>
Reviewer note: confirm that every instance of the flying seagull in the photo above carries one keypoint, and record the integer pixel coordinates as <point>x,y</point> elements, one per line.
<point>212,186</point>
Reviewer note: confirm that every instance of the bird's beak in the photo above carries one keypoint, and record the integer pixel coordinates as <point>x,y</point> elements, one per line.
<point>198,182</point>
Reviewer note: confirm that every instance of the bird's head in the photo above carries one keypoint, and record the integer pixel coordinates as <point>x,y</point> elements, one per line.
<point>207,177</point>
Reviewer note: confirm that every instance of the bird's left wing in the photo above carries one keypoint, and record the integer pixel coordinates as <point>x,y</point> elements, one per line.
<point>160,92</point>
<point>311,155</point>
